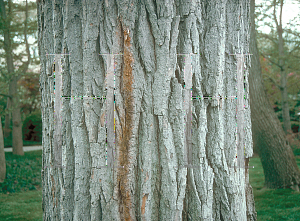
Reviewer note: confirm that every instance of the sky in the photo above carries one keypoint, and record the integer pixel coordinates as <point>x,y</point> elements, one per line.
<point>291,9</point>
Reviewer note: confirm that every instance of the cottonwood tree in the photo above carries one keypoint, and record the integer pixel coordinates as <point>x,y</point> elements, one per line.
<point>277,157</point>
<point>118,139</point>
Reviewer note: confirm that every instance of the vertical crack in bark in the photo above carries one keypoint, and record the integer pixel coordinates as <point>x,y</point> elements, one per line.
<point>53,190</point>
<point>138,176</point>
<point>125,195</point>
<point>159,165</point>
<point>208,118</point>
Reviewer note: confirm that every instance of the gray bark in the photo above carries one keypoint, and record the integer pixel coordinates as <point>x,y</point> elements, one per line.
<point>174,158</point>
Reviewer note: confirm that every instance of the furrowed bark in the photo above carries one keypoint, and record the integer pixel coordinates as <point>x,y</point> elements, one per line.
<point>174,157</point>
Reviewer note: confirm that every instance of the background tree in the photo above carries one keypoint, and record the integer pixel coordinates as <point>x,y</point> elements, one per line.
<point>15,26</point>
<point>280,49</point>
<point>150,179</point>
<point>278,160</point>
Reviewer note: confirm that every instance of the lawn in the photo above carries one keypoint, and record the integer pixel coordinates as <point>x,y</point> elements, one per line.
<point>21,196</point>
<point>25,205</point>
<point>281,204</point>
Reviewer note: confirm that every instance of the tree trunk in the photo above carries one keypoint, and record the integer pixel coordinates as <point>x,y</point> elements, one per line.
<point>7,130</point>
<point>143,149</point>
<point>17,139</point>
<point>2,156</point>
<point>283,81</point>
<point>278,160</point>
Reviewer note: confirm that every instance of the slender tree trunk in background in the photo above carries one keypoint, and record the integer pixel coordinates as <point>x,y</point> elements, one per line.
<point>17,135</point>
<point>7,130</point>
<point>17,139</point>
<point>2,156</point>
<point>142,53</point>
<point>278,160</point>
<point>283,81</point>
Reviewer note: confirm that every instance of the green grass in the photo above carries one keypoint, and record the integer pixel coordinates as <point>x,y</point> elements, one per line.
<point>21,197</point>
<point>8,143</point>
<point>21,194</point>
<point>280,204</point>
<point>21,206</point>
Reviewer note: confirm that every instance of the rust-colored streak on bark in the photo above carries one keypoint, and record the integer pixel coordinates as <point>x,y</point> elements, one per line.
<point>145,197</point>
<point>124,140</point>
<point>102,119</point>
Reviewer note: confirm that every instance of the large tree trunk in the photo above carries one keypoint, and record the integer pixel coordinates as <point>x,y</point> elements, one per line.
<point>278,160</point>
<point>2,155</point>
<point>136,155</point>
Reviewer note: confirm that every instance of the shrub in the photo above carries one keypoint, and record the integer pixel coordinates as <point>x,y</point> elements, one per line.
<point>32,127</point>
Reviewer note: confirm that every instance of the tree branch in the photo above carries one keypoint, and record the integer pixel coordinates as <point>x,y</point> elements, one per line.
<point>5,95</point>
<point>25,65</point>
<point>280,16</point>
<point>268,37</point>
<point>274,82</point>
<point>274,15</point>
<point>271,60</point>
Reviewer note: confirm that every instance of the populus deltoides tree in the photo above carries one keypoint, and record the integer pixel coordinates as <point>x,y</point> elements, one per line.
<point>122,137</point>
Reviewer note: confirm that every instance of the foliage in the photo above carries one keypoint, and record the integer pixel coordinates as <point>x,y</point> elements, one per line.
<point>268,47</point>
<point>294,141</point>
<point>29,93</point>
<point>32,127</point>
<point>22,172</point>
<point>38,130</point>
<point>28,84</point>
<point>15,23</point>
